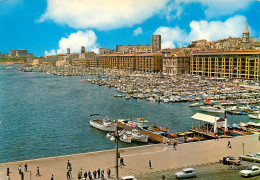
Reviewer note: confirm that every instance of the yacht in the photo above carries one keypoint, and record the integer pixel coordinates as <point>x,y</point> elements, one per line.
<point>104,124</point>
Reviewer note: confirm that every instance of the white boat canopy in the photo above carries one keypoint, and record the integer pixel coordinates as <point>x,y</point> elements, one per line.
<point>205,118</point>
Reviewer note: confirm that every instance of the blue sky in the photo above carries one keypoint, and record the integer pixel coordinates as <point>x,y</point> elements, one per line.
<point>46,27</point>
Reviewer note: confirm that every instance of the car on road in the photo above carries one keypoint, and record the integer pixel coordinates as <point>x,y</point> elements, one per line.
<point>128,178</point>
<point>250,157</point>
<point>254,171</point>
<point>186,173</point>
<point>229,160</point>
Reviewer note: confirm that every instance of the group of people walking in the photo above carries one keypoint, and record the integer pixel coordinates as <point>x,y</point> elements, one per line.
<point>96,174</point>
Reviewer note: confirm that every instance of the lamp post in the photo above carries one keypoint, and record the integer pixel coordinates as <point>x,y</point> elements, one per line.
<point>116,148</point>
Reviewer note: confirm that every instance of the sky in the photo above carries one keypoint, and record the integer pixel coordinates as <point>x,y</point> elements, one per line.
<point>49,27</point>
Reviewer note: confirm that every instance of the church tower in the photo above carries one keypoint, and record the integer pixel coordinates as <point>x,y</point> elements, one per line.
<point>246,38</point>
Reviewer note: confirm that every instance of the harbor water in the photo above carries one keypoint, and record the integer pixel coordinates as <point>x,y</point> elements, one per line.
<point>44,115</point>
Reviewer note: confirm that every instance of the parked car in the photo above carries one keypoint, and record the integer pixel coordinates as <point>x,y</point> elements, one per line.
<point>250,157</point>
<point>128,178</point>
<point>254,171</point>
<point>186,173</point>
<point>227,160</point>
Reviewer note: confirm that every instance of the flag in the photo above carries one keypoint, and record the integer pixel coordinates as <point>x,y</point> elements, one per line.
<point>225,115</point>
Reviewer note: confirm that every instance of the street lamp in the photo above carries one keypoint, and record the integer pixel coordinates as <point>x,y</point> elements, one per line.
<point>116,148</point>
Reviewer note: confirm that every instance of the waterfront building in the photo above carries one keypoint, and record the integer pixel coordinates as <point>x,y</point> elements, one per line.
<point>176,63</point>
<point>18,53</point>
<point>149,62</point>
<point>237,64</point>
<point>80,62</point>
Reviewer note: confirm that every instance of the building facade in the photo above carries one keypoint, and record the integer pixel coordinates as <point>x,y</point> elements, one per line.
<point>240,64</point>
<point>156,43</point>
<point>175,64</point>
<point>149,62</point>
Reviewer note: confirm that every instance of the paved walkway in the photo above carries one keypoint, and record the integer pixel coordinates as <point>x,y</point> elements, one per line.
<point>136,158</point>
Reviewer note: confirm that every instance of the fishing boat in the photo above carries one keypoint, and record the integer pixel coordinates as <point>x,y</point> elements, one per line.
<point>9,67</point>
<point>138,136</point>
<point>254,116</point>
<point>137,122</point>
<point>104,124</point>
<point>126,138</point>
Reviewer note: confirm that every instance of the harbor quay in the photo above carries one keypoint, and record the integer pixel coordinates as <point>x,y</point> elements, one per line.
<point>136,159</point>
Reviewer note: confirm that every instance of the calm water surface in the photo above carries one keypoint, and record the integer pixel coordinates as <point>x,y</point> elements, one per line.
<point>46,115</point>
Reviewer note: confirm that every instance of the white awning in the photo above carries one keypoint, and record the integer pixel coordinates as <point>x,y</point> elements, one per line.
<point>205,117</point>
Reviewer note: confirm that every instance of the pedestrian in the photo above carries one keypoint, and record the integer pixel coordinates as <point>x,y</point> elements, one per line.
<point>79,175</point>
<point>122,161</point>
<point>95,174</point>
<point>108,172</point>
<point>52,178</point>
<point>85,175</point>
<point>22,176</point>
<point>150,164</point>
<point>163,177</point>
<point>89,174</point>
<point>229,145</point>
<point>68,175</point>
<point>174,145</point>
<point>25,167</point>
<point>68,164</point>
<point>98,173</point>
<point>80,172</point>
<point>90,177</point>
<point>38,171</point>
<point>102,174</point>
<point>19,169</point>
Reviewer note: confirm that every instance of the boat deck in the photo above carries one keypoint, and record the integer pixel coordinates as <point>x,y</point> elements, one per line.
<point>208,133</point>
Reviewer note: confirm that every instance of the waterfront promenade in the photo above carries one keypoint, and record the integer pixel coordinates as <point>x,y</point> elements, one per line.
<point>136,159</point>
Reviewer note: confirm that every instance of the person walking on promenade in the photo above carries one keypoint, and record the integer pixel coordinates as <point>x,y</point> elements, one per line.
<point>22,176</point>
<point>95,174</point>
<point>85,175</point>
<point>25,167</point>
<point>98,173</point>
<point>174,145</point>
<point>38,172</point>
<point>150,164</point>
<point>79,175</point>
<point>68,175</point>
<point>52,178</point>
<point>89,174</point>
<point>108,173</point>
<point>163,177</point>
<point>122,161</point>
<point>19,169</point>
<point>68,164</point>
<point>229,145</point>
<point>102,174</point>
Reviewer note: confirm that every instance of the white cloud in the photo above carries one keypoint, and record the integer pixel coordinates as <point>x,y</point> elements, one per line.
<point>101,14</point>
<point>50,53</point>
<point>74,41</point>
<point>214,30</point>
<point>214,8</point>
<point>138,31</point>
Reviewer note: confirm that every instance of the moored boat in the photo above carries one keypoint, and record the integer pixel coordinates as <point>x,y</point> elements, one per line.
<point>104,124</point>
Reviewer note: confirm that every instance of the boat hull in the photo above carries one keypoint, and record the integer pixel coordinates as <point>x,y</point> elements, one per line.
<point>108,128</point>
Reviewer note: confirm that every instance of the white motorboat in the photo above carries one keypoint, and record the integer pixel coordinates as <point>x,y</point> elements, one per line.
<point>254,116</point>
<point>9,67</point>
<point>104,124</point>
<point>125,138</point>
<point>137,136</point>
<point>214,109</point>
<point>196,104</point>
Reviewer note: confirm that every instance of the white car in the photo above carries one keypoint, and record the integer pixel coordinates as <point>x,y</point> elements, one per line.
<point>186,173</point>
<point>128,178</point>
<point>254,171</point>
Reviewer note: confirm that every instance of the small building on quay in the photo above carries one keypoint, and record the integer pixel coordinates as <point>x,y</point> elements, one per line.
<point>176,63</point>
<point>147,62</point>
<point>236,64</point>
